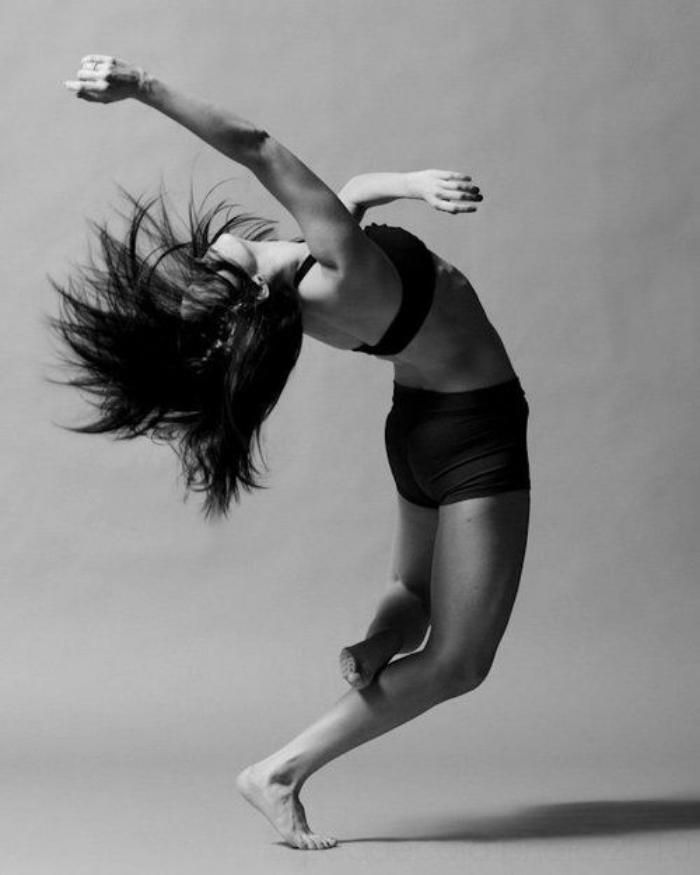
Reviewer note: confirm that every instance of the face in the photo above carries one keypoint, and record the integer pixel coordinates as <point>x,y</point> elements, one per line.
<point>239,253</point>
<point>236,250</point>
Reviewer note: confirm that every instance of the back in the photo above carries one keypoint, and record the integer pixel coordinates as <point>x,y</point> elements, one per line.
<point>457,348</point>
<point>415,267</point>
<point>438,337</point>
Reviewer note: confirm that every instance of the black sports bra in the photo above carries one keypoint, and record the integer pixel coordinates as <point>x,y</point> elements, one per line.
<point>414,264</point>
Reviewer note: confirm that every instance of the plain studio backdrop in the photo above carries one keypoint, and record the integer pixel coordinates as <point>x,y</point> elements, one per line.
<point>137,636</point>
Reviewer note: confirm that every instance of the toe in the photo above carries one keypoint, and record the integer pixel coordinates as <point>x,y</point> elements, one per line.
<point>321,843</point>
<point>302,841</point>
<point>347,661</point>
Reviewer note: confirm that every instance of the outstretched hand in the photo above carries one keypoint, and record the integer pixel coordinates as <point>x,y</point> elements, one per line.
<point>446,190</point>
<point>105,79</point>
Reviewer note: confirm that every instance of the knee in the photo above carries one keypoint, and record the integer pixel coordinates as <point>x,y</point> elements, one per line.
<point>455,675</point>
<point>412,592</point>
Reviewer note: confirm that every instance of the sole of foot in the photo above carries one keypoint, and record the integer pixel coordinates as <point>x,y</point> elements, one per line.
<point>361,663</point>
<point>352,671</point>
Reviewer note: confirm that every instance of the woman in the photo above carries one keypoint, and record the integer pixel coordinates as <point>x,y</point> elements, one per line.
<point>194,344</point>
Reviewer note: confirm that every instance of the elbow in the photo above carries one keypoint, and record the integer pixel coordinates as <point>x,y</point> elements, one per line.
<point>348,191</point>
<point>253,147</point>
<point>259,138</point>
<point>348,196</point>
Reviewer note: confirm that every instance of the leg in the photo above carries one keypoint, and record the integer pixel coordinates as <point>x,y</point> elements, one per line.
<point>478,558</point>
<point>402,618</point>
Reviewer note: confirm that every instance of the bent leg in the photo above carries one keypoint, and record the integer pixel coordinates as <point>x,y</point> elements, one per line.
<point>403,615</point>
<point>477,562</point>
<point>479,556</point>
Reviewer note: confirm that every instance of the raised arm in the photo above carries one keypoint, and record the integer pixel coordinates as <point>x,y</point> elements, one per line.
<point>444,190</point>
<point>330,232</point>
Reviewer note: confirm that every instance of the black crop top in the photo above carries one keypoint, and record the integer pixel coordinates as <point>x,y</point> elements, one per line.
<point>414,265</point>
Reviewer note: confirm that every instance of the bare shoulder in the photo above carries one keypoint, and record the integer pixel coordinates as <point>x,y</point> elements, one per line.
<point>447,273</point>
<point>358,302</point>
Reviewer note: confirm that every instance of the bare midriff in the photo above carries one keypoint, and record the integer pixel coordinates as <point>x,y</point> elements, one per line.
<point>457,349</point>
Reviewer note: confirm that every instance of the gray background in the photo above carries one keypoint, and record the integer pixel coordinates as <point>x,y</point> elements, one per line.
<point>146,655</point>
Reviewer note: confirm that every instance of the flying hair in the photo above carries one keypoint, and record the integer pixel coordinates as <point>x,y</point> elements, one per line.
<point>166,347</point>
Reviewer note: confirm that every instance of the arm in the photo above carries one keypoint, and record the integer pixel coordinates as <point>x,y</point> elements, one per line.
<point>444,190</point>
<point>330,232</point>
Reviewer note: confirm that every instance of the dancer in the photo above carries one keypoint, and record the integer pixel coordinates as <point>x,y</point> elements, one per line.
<point>193,341</point>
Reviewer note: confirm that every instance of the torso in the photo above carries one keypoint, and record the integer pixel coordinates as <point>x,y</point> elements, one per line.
<point>456,348</point>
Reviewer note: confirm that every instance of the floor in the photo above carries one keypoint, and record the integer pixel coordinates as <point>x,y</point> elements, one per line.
<point>184,819</point>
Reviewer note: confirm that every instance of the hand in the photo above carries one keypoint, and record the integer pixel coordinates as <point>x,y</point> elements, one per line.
<point>446,190</point>
<point>104,79</point>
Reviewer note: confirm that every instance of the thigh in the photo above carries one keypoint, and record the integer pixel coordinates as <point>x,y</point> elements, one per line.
<point>412,553</point>
<point>477,562</point>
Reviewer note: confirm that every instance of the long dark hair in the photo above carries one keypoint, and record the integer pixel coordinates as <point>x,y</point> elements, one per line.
<point>167,347</point>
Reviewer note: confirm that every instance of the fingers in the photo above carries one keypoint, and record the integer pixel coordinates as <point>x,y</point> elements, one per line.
<point>88,75</point>
<point>451,174</point>
<point>96,59</point>
<point>80,86</point>
<point>472,194</point>
<point>92,79</point>
<point>452,207</point>
<point>450,185</point>
<point>90,90</point>
<point>455,202</point>
<point>456,195</point>
<point>453,187</point>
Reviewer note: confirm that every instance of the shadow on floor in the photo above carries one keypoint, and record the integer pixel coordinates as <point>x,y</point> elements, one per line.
<point>557,820</point>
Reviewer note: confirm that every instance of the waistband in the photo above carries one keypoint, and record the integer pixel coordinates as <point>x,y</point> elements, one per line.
<point>500,393</point>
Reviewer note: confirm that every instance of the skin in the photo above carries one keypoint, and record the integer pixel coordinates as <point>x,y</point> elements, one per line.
<point>455,570</point>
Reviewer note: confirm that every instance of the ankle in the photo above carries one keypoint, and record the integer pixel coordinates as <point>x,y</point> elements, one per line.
<point>285,773</point>
<point>391,636</point>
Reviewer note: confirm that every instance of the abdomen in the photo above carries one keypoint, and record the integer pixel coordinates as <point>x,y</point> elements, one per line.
<point>457,348</point>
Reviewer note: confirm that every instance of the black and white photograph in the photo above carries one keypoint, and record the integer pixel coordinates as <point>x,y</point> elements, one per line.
<point>350,446</point>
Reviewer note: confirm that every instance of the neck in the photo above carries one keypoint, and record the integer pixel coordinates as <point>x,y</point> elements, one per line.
<point>278,260</point>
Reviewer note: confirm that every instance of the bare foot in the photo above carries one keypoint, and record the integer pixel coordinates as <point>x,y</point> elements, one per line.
<point>360,663</point>
<point>281,806</point>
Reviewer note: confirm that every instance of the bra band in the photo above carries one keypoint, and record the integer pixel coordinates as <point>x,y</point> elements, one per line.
<point>414,265</point>
<point>304,268</point>
<point>412,313</point>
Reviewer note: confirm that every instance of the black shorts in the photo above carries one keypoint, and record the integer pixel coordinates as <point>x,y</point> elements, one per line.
<point>448,446</point>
